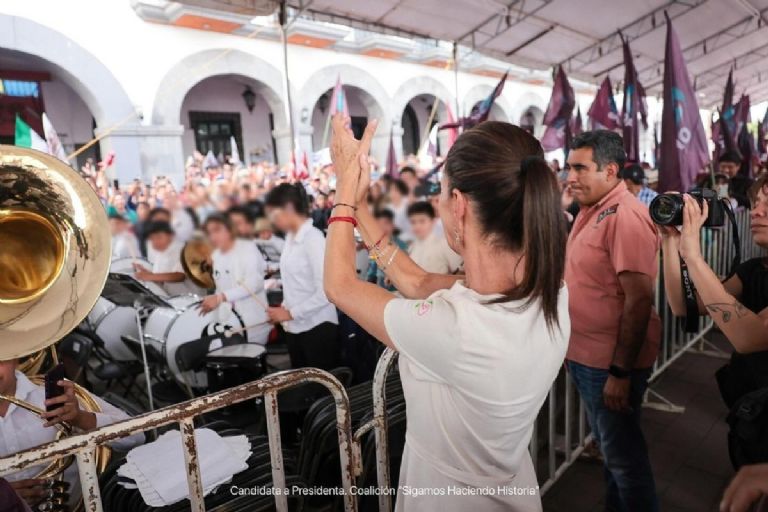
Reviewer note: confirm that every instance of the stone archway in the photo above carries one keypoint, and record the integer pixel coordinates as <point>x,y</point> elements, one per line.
<point>190,71</point>
<point>90,79</point>
<point>371,94</point>
<point>410,89</point>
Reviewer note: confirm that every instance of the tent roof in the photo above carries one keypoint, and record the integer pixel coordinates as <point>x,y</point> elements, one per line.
<point>583,35</point>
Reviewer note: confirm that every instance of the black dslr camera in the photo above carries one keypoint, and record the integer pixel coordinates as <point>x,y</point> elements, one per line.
<point>667,209</point>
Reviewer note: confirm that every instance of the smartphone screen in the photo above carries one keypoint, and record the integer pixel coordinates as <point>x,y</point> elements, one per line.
<point>52,388</point>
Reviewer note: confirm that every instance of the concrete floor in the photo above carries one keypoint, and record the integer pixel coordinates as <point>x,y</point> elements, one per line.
<point>688,451</point>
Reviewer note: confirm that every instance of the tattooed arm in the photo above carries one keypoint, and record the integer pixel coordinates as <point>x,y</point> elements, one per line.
<point>747,331</point>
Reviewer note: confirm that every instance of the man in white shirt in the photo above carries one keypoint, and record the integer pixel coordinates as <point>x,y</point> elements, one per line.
<point>21,429</point>
<point>165,255</point>
<point>124,242</point>
<point>429,250</point>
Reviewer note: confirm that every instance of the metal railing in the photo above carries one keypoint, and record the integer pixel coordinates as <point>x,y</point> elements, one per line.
<point>563,415</point>
<point>82,446</point>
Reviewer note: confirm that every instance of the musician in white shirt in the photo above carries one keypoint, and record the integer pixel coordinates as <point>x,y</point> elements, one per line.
<point>310,321</point>
<point>124,242</point>
<point>165,255</point>
<point>21,429</point>
<point>238,270</point>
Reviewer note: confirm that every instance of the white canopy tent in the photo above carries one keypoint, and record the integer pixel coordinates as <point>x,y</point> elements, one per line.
<point>583,35</point>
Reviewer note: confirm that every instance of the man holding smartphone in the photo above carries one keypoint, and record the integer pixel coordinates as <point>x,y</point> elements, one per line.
<point>21,429</point>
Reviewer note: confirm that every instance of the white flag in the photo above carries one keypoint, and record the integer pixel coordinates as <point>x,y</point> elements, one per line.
<point>235,156</point>
<point>52,140</point>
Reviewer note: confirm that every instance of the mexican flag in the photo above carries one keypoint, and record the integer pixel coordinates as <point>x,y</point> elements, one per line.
<point>26,137</point>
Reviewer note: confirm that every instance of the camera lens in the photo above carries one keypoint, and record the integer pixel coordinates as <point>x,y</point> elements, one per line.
<point>667,209</point>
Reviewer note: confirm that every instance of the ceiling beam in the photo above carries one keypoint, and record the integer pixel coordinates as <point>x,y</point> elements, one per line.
<point>637,28</point>
<point>715,76</point>
<point>709,44</point>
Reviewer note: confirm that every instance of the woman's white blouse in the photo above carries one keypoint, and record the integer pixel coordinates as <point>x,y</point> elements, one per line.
<point>475,375</point>
<point>301,272</point>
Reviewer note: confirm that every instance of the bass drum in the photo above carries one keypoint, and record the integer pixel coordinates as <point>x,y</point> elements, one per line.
<point>125,266</point>
<point>109,322</point>
<point>167,329</point>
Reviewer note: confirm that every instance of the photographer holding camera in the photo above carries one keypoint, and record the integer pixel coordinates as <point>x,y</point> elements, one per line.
<point>738,306</point>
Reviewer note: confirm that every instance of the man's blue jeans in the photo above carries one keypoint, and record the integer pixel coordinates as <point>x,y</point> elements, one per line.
<point>628,472</point>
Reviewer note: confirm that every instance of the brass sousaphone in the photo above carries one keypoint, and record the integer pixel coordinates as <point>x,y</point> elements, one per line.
<point>54,260</point>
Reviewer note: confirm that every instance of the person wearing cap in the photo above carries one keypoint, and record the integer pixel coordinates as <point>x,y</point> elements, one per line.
<point>124,242</point>
<point>165,255</point>
<point>634,177</point>
<point>738,184</point>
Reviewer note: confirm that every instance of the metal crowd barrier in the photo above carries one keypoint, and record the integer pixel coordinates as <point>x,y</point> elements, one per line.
<point>82,445</point>
<point>563,416</point>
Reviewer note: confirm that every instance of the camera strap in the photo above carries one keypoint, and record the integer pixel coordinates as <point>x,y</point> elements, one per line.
<point>691,323</point>
<point>736,239</point>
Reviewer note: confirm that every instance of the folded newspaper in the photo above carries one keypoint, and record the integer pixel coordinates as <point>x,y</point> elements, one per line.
<point>159,472</point>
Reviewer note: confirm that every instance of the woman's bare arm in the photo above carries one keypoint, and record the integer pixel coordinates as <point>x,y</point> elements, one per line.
<point>411,280</point>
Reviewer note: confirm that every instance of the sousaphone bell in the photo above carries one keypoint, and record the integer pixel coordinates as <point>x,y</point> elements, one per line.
<point>54,260</point>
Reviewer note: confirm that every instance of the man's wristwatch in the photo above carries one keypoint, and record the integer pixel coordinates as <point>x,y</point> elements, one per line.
<point>618,372</point>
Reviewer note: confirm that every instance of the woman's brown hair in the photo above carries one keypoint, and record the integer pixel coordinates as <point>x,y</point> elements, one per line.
<point>501,168</point>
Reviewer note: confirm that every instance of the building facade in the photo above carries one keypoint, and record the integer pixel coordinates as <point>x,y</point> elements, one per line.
<point>157,80</point>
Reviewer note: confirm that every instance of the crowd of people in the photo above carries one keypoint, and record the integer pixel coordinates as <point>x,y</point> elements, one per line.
<point>485,273</point>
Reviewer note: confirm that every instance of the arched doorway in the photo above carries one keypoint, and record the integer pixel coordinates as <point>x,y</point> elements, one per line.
<point>415,117</point>
<point>225,106</point>
<point>366,100</point>
<point>32,86</point>
<point>236,70</point>
<point>98,101</point>
<point>362,107</point>
<point>412,105</point>
<point>531,119</point>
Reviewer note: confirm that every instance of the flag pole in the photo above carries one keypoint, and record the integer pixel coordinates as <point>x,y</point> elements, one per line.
<point>456,77</point>
<point>428,126</point>
<point>286,80</point>
<point>331,109</point>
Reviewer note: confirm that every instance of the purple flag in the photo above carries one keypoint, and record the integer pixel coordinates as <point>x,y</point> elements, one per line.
<point>603,112</point>
<point>392,169</point>
<point>558,114</point>
<point>480,112</point>
<point>576,124</point>
<point>684,150</point>
<point>762,131</point>
<point>634,105</point>
<point>747,150</point>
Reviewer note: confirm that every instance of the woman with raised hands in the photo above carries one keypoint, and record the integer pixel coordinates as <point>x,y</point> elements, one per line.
<point>479,352</point>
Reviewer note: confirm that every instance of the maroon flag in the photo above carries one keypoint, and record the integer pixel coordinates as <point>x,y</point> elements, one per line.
<point>632,107</point>
<point>603,112</point>
<point>762,132</point>
<point>558,114</point>
<point>576,124</point>
<point>684,150</point>
<point>392,169</point>
<point>747,149</point>
<point>480,112</point>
